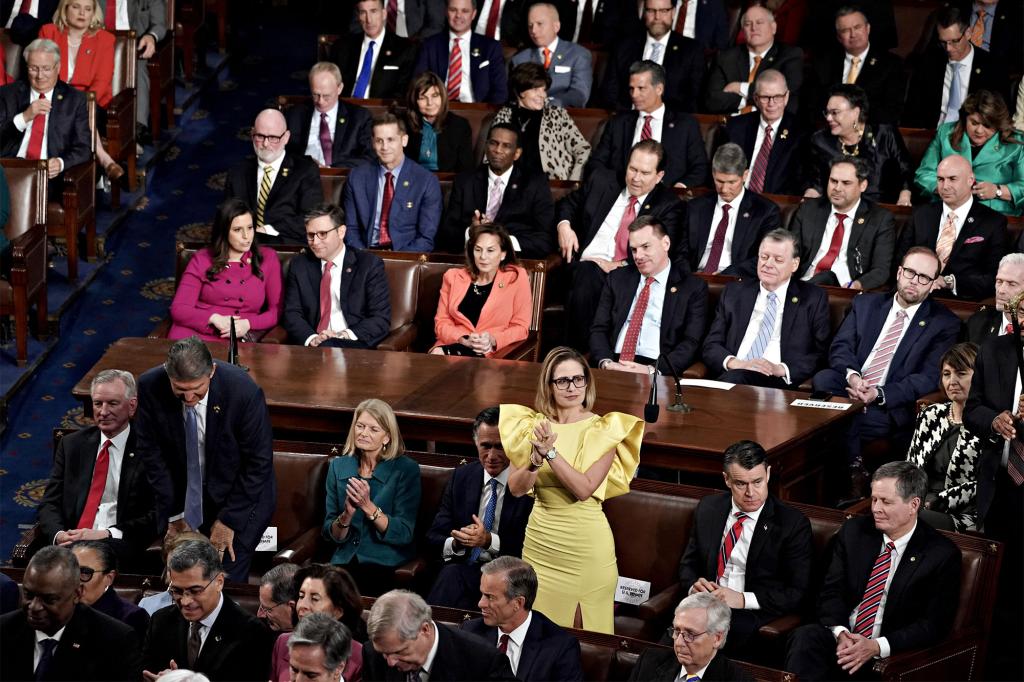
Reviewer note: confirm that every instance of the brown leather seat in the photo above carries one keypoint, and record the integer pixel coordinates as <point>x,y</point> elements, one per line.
<point>160,68</point>
<point>120,140</point>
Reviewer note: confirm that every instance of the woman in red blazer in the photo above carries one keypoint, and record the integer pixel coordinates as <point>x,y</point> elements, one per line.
<point>486,305</point>
<point>86,61</point>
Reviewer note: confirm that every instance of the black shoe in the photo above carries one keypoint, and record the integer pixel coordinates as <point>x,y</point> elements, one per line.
<point>860,484</point>
<point>142,134</point>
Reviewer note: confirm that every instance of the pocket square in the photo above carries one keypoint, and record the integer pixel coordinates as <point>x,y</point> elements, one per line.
<point>562,69</point>
<point>974,240</point>
<point>484,63</point>
<point>390,67</point>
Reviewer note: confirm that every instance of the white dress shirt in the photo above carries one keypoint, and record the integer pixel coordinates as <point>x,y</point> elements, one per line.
<point>657,123</point>
<point>726,258</point>
<point>690,27</point>
<point>40,119</point>
<point>840,266</point>
<point>683,675</point>
<point>494,548</point>
<point>485,12</point>
<point>377,42</point>
<point>429,663</point>
<point>313,148</point>
<point>201,432</point>
<point>735,575</point>
<point>576,35</point>
<point>122,16</point>
<point>965,64</point>
<point>744,86</point>
<point>275,169</point>
<point>603,243</point>
<point>911,311</point>
<point>337,323</point>
<point>649,343</point>
<point>758,141</point>
<point>33,9</point>
<point>466,86</point>
<point>40,636</point>
<point>848,62</point>
<point>773,353</point>
<point>649,48</point>
<point>514,651</point>
<point>206,623</point>
<point>106,516</point>
<point>401,28</point>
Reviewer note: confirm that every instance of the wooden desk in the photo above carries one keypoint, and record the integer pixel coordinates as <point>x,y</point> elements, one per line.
<point>314,391</point>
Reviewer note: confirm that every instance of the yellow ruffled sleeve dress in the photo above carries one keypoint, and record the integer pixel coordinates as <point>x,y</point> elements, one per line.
<point>568,541</point>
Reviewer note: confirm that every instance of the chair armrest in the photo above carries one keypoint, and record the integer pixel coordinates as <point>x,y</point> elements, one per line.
<point>780,627</point>
<point>655,608</point>
<point>121,123</point>
<point>300,550</point>
<point>697,370</point>
<point>30,541</point>
<point>955,658</point>
<point>400,339</point>
<point>79,178</point>
<point>28,249</point>
<point>275,335</point>
<point>407,573</point>
<point>519,349</point>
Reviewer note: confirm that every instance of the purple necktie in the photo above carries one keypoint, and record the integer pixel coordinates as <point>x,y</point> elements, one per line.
<point>326,144</point>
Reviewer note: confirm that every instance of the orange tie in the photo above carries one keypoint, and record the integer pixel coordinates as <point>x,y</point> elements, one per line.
<point>547,58</point>
<point>750,79</point>
<point>978,30</point>
<point>944,247</point>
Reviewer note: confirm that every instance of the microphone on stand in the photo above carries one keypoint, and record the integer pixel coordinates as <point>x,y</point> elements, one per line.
<point>677,405</point>
<point>233,347</point>
<point>652,409</point>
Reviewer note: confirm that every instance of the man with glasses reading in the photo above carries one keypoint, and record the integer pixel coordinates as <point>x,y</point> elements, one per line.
<point>886,355</point>
<point>335,295</point>
<point>333,133</point>
<point>204,630</point>
<point>279,185</point>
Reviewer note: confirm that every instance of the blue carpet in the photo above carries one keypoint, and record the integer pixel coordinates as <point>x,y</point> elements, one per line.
<point>130,291</point>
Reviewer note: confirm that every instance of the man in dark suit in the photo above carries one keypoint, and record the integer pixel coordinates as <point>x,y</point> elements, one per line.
<point>732,75</point>
<point>278,185</point>
<point>892,584</point>
<point>477,73</point>
<point>390,656</point>
<point>845,239</point>
<point>969,237</point>
<point>730,216</point>
<point>942,80</point>
<point>460,533</point>
<point>329,131</point>
<point>569,65</point>
<point>992,321</point>
<point>98,488</point>
<point>748,548</point>
<point>703,20</point>
<point>772,330</point>
<point>601,27</point>
<point>394,203</point>
<point>217,479</point>
<point>699,631</point>
<point>503,20</point>
<point>44,103</point>
<point>999,30</point>
<point>886,355</point>
<point>412,19</point>
<point>359,314</point>
<point>855,60</point>
<point>651,119</point>
<point>819,24</point>
<point>681,58</point>
<point>98,565</point>
<point>652,313</point>
<point>204,630</point>
<point>500,192</point>
<point>536,648</point>
<point>376,62</point>
<point>593,227</point>
<point>22,21</point>
<point>56,637</point>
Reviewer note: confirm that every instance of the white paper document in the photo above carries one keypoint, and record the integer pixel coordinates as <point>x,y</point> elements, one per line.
<point>820,404</point>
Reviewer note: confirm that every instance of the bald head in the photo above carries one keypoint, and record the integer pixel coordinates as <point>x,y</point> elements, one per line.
<point>269,135</point>
<point>954,180</point>
<point>542,24</point>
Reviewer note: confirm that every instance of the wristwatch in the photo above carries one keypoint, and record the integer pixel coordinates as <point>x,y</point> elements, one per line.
<point>999,192</point>
<point>551,454</point>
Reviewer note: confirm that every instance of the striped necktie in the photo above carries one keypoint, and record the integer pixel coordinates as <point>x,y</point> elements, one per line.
<point>261,201</point>
<point>729,542</point>
<point>764,334</point>
<point>886,349</point>
<point>868,607</point>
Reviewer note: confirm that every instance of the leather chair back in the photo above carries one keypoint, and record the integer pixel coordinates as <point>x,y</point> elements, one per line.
<point>403,283</point>
<point>27,183</point>
<point>429,294</point>
<point>591,122</point>
<point>301,481</point>
<point>332,181</point>
<point>124,61</point>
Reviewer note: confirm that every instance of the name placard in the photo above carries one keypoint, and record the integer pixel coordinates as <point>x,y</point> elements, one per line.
<point>820,404</point>
<point>632,591</point>
<point>268,543</point>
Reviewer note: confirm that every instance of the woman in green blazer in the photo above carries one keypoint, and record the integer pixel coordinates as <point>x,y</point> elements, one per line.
<point>373,496</point>
<point>994,148</point>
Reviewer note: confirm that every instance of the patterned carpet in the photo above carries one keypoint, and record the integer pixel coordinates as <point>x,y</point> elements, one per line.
<point>130,292</point>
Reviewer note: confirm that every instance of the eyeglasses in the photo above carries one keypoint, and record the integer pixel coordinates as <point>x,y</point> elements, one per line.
<point>38,70</point>
<point>833,112</point>
<point>265,610</point>
<point>562,383</point>
<point>771,99</point>
<point>322,236</point>
<point>921,278</point>
<point>944,43</point>
<point>192,592</point>
<point>688,637</point>
<point>260,138</point>
<point>87,573</point>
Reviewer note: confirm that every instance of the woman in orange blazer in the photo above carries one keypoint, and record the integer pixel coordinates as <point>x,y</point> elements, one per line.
<point>86,61</point>
<point>488,304</point>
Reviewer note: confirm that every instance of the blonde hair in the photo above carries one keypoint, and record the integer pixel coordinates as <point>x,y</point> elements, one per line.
<point>385,417</point>
<point>97,17</point>
<point>545,401</point>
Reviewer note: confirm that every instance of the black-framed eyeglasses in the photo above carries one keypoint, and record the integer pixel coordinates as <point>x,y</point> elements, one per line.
<point>192,592</point>
<point>771,99</point>
<point>944,43</point>
<point>562,383</point>
<point>260,138</point>
<point>261,609</point>
<point>688,637</point>
<point>87,572</point>
<point>833,112</point>
<point>322,236</point>
<point>911,274</point>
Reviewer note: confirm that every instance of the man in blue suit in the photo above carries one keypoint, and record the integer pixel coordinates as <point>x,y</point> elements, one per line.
<point>770,331</point>
<point>568,64</point>
<point>536,648</point>
<point>477,72</point>
<point>203,431</point>
<point>886,354</point>
<point>460,533</point>
<point>395,203</point>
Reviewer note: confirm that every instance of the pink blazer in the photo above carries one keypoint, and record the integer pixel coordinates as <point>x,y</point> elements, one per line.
<point>235,291</point>
<point>506,314</point>
<point>94,67</point>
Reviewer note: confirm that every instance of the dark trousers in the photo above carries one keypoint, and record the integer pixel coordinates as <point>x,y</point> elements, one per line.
<point>812,656</point>
<point>343,343</point>
<point>1005,522</point>
<point>750,378</point>
<point>457,586</point>
<point>587,282</point>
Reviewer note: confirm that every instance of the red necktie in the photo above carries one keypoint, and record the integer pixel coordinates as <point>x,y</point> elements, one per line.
<point>110,15</point>
<point>1015,461</point>
<point>325,299</point>
<point>645,132</point>
<point>326,143</point>
<point>492,18</point>
<point>26,7</point>
<point>681,17</point>
<point>730,540</point>
<point>454,71</point>
<point>547,58</point>
<point>586,23</point>
<point>1009,328</point>
<point>761,163</point>
<point>833,249</point>
<point>385,209</point>
<point>622,236</point>
<point>628,352</point>
<point>868,607</point>
<point>392,18</point>
<point>503,644</point>
<point>35,140</point>
<point>99,482</point>
<point>718,242</point>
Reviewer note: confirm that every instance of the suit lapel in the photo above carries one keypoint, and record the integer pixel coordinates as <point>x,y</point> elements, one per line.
<point>873,328</point>
<point>721,506</point>
<point>816,233</point>
<point>87,463</point>
<point>339,130</point>
<point>970,228</point>
<point>913,556</point>
<point>741,232</point>
<point>213,419</point>
<point>748,297</point>
<point>859,227</point>
<point>704,214</point>
<point>761,535</point>
<point>532,644</point>
<point>668,307</point>
<point>790,308</point>
<point>446,655</point>
<point>917,328</point>
<point>130,468</point>
<point>479,189</point>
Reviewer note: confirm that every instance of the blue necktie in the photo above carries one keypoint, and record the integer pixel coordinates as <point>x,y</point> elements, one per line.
<point>46,660</point>
<point>363,82</point>
<point>492,506</point>
<point>764,334</point>
<point>953,107</point>
<point>194,487</point>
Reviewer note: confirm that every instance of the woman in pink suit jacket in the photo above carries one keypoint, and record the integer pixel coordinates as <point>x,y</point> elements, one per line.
<point>86,61</point>
<point>229,279</point>
<point>488,304</point>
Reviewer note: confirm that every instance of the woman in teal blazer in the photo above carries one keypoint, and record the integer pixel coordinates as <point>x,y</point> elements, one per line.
<point>373,496</point>
<point>983,135</point>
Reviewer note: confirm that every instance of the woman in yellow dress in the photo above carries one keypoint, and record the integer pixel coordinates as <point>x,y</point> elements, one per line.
<point>568,540</point>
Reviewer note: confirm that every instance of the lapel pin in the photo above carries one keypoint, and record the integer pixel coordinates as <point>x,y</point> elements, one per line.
<point>475,52</point>
<point>795,299</point>
<point>977,71</point>
<point>216,638</point>
<point>348,269</point>
<point>785,133</point>
<point>647,206</point>
<point>558,57</point>
<point>405,183</point>
<point>673,290</point>
<point>387,53</point>
<point>860,221</point>
<point>216,409</point>
<point>970,220</point>
<point>76,645</point>
<point>671,125</point>
<point>408,204</point>
<point>515,186</point>
<point>130,455</point>
<point>284,172</point>
<point>746,215</point>
<point>913,558</point>
<point>89,51</point>
<point>921,323</point>
<point>765,526</point>
<point>501,285</point>
<point>341,120</point>
<point>60,97</point>
<point>872,62</point>
<point>675,47</point>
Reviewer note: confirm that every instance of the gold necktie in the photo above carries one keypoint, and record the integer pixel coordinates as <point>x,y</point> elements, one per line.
<point>854,71</point>
<point>261,201</point>
<point>944,247</point>
<point>750,79</point>
<point>978,30</point>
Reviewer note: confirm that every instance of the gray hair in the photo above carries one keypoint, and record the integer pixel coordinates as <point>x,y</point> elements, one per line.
<point>911,480</point>
<point>519,577</point>
<point>195,553</point>
<point>729,159</point>
<point>401,611</point>
<point>781,234</point>
<point>43,45</point>
<point>57,559</point>
<point>326,67</point>
<point>770,76</point>
<point>188,359</point>
<point>183,675</point>
<point>656,70</point>
<point>110,375</point>
<point>1011,259</point>
<point>321,630</point>
<point>279,578</point>
<point>719,613</point>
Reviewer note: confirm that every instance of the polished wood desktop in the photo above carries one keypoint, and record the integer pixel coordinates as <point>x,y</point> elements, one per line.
<point>312,392</point>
